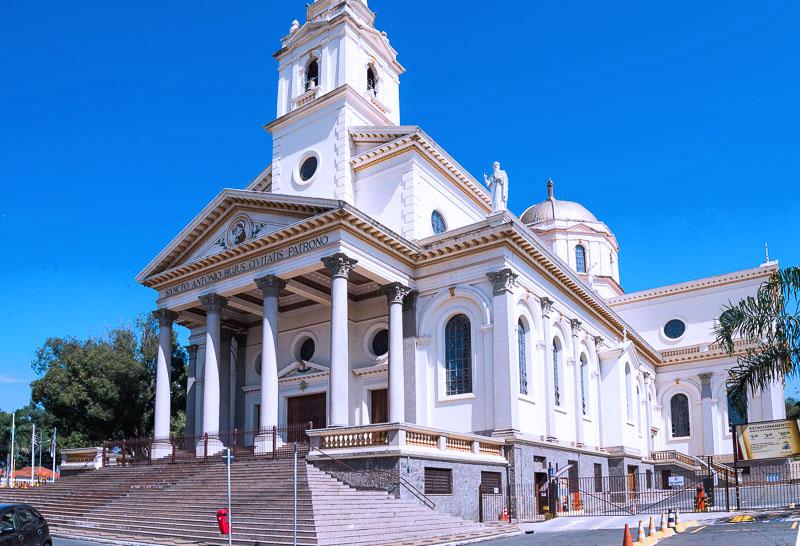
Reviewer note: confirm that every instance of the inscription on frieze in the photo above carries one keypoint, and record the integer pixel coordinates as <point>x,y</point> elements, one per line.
<point>245,266</point>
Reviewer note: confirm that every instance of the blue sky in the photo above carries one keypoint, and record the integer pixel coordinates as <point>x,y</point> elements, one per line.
<point>676,124</point>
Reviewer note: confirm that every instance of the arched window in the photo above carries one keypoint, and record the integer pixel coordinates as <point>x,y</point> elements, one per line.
<point>523,357</point>
<point>312,74</point>
<point>629,392</point>
<point>584,382</point>
<point>458,355</point>
<point>737,410</point>
<point>372,81</point>
<point>580,259</point>
<point>638,410</point>
<point>556,369</point>
<point>679,410</point>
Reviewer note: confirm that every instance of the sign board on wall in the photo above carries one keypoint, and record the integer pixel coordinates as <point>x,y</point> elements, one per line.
<point>768,440</point>
<point>675,481</point>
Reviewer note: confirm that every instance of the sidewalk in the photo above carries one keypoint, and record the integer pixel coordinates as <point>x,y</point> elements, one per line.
<point>589,523</point>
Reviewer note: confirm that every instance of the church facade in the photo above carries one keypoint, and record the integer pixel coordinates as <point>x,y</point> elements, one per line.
<point>367,283</point>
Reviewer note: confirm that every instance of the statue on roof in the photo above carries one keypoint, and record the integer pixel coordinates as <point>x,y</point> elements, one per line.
<point>498,185</point>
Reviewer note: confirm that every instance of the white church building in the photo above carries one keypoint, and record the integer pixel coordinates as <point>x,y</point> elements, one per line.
<point>367,283</point>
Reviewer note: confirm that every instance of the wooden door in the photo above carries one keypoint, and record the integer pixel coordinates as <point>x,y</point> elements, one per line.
<point>379,406</point>
<point>304,409</point>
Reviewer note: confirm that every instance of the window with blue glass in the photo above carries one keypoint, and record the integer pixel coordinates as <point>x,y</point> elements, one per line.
<point>437,223</point>
<point>556,377</point>
<point>584,381</point>
<point>674,328</point>
<point>580,259</point>
<point>679,412</point>
<point>523,357</point>
<point>458,355</point>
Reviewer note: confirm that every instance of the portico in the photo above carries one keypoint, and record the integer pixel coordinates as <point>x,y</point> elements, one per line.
<point>246,324</point>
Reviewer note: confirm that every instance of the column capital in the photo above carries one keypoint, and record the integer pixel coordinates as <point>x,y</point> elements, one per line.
<point>213,302</point>
<point>598,341</point>
<point>547,306</point>
<point>165,317</point>
<point>575,324</point>
<point>502,281</point>
<point>271,285</point>
<point>339,264</point>
<point>396,292</point>
<point>705,384</point>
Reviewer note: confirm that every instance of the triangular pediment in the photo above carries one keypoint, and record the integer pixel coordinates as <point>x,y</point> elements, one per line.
<point>232,218</point>
<point>302,369</point>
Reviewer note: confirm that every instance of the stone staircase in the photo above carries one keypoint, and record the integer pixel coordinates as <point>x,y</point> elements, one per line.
<point>177,503</point>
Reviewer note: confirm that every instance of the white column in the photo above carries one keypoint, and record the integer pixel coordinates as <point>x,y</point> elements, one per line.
<point>271,286</point>
<point>395,294</point>
<point>505,352</point>
<point>339,266</point>
<point>550,401</point>
<point>161,441</point>
<point>577,382</point>
<point>708,413</point>
<point>213,304</point>
<point>191,394</point>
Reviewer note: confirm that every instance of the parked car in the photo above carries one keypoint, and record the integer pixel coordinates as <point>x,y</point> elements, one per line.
<point>23,525</point>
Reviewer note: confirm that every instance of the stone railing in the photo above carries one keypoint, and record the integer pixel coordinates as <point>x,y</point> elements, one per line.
<point>702,350</point>
<point>406,438</point>
<point>673,455</point>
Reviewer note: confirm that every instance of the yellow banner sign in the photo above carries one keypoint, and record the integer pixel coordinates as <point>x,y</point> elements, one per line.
<point>768,440</point>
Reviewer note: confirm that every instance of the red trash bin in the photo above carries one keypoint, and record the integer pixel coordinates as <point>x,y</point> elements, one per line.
<point>222,521</point>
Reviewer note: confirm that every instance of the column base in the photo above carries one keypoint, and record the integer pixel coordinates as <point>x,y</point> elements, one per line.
<point>263,442</point>
<point>215,446</point>
<point>161,449</point>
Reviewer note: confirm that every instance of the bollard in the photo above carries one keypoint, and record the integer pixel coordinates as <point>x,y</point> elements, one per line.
<point>626,538</point>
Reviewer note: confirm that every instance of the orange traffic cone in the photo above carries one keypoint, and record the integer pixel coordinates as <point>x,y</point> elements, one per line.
<point>626,539</point>
<point>640,536</point>
<point>504,515</point>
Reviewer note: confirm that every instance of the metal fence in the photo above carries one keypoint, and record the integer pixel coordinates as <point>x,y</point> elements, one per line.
<point>711,489</point>
<point>279,442</point>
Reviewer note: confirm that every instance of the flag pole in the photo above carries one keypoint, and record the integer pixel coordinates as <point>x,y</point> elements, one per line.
<point>33,452</point>
<point>13,445</point>
<point>53,454</point>
<point>40,454</point>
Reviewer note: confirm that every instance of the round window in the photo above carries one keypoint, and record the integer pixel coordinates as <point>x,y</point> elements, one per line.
<point>437,223</point>
<point>258,365</point>
<point>380,343</point>
<point>308,168</point>
<point>307,349</point>
<point>674,328</point>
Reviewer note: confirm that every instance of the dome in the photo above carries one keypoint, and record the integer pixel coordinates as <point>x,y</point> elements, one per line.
<point>555,209</point>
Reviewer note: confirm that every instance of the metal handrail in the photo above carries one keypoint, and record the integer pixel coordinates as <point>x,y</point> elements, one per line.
<point>400,480</point>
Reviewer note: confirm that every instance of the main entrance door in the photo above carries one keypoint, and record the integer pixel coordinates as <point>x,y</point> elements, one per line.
<point>304,409</point>
<point>378,406</point>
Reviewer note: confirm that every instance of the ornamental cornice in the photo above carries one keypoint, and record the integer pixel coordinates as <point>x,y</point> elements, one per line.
<point>699,284</point>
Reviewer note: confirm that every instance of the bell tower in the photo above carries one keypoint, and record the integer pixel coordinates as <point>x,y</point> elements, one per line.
<point>336,71</point>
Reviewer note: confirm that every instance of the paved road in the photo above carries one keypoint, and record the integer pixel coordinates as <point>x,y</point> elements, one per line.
<point>763,530</point>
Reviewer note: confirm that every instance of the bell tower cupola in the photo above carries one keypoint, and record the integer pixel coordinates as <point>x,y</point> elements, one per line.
<point>335,71</point>
<point>338,45</point>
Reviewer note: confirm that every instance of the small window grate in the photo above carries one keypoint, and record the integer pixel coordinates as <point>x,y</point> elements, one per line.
<point>438,481</point>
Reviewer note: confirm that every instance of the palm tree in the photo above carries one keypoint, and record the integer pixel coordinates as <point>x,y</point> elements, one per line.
<point>770,321</point>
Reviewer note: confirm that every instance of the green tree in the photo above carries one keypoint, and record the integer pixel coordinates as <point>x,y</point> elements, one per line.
<point>103,388</point>
<point>792,408</point>
<point>770,320</point>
